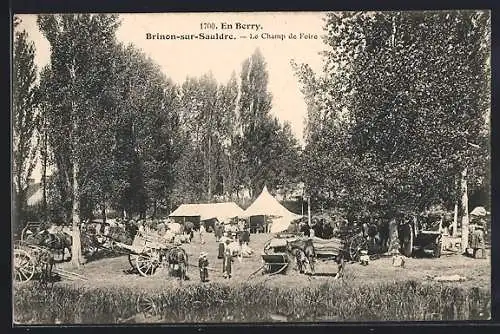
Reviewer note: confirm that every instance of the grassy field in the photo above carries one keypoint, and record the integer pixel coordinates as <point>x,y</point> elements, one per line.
<point>374,292</point>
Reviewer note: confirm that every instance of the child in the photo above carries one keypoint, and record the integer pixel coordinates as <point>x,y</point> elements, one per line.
<point>203,265</point>
<point>364,258</point>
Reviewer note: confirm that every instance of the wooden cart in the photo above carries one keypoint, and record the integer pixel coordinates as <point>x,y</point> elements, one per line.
<point>31,261</point>
<point>415,239</point>
<point>275,263</point>
<point>147,253</point>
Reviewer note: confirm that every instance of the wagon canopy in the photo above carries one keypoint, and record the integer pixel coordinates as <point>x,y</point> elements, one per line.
<point>221,211</point>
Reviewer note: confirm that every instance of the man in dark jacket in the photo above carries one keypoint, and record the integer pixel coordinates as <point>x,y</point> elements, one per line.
<point>305,229</point>
<point>203,266</point>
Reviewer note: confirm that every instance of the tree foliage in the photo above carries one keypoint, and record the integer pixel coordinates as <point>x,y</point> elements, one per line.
<point>123,136</point>
<point>25,103</point>
<point>400,108</point>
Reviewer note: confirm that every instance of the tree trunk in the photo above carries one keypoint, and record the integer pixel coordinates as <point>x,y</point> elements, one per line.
<point>309,210</point>
<point>465,212</point>
<point>455,220</point>
<point>20,221</point>
<point>76,246</point>
<point>209,158</point>
<point>103,211</point>
<point>44,178</point>
<point>393,236</point>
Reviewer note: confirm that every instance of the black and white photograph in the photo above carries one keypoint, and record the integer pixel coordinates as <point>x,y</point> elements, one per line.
<point>251,167</point>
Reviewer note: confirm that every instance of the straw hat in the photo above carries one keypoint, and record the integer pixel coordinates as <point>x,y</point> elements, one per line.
<point>203,254</point>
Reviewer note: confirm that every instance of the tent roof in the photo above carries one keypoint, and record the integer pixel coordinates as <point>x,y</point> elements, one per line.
<point>208,210</point>
<point>267,205</point>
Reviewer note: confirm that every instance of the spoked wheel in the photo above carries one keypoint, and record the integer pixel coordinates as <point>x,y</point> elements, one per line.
<point>147,306</point>
<point>356,245</point>
<point>406,240</point>
<point>267,249</point>
<point>131,260</point>
<point>148,262</point>
<point>24,266</point>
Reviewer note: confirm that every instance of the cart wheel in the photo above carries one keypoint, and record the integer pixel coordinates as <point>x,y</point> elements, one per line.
<point>24,265</point>
<point>267,249</point>
<point>437,249</point>
<point>131,260</point>
<point>147,306</point>
<point>407,240</point>
<point>147,263</point>
<point>357,244</point>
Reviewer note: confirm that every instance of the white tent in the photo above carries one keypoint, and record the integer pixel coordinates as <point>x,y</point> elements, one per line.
<point>221,211</point>
<point>267,205</point>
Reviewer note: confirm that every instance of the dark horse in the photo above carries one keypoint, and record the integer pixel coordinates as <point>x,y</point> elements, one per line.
<point>303,250</point>
<point>178,257</point>
<point>57,242</point>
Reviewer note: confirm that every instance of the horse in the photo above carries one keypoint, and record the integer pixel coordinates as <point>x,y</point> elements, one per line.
<point>58,242</point>
<point>131,230</point>
<point>303,250</point>
<point>178,256</point>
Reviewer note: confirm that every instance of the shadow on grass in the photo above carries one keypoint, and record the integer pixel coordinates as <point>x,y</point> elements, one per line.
<point>104,254</point>
<point>323,274</point>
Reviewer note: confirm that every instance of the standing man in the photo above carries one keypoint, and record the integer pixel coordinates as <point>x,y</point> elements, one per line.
<point>222,243</point>
<point>228,258</point>
<point>477,240</point>
<point>203,266</point>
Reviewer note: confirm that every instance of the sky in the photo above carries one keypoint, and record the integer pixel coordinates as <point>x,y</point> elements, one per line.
<point>179,59</point>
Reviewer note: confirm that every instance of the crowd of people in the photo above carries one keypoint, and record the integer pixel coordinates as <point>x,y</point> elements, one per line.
<point>232,237</point>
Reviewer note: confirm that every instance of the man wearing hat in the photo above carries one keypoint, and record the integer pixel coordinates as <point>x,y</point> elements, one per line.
<point>203,266</point>
<point>222,243</point>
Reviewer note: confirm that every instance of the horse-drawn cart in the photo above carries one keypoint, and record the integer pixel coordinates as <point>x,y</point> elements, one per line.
<point>414,238</point>
<point>30,261</point>
<point>275,258</point>
<point>148,252</point>
<point>279,252</point>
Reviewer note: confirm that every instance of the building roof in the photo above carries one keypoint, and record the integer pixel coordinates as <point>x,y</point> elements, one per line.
<point>206,211</point>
